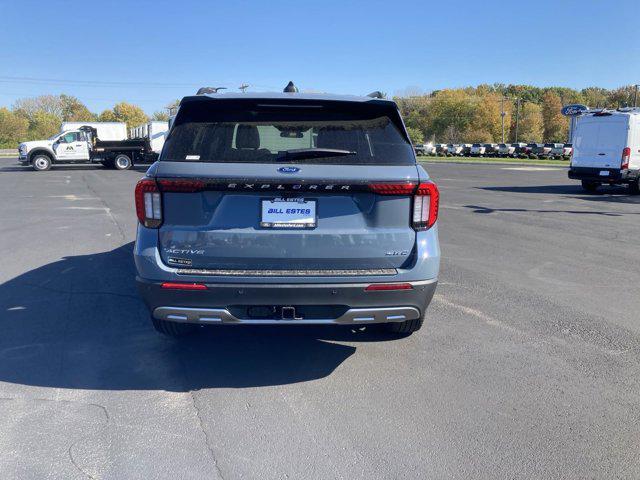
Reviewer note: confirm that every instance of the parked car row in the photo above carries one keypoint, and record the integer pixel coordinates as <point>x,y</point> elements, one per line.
<point>556,151</point>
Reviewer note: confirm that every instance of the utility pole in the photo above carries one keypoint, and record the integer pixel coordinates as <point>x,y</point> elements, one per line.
<point>517,116</point>
<point>502,114</point>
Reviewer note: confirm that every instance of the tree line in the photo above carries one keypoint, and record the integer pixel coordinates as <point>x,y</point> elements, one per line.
<point>475,114</point>
<point>459,115</point>
<point>37,118</point>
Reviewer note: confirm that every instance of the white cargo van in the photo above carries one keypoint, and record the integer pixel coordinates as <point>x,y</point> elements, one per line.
<point>606,149</point>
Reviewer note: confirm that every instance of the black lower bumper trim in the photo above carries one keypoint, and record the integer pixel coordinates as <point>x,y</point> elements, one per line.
<point>614,175</point>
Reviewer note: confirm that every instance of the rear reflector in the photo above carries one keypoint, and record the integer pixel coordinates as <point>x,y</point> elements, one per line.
<point>183,286</point>
<point>388,286</point>
<point>425,206</point>
<point>626,155</point>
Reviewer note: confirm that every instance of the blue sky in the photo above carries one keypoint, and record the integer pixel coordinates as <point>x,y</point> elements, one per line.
<point>150,53</point>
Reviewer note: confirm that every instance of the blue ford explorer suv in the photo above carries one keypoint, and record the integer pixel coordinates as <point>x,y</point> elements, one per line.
<point>286,208</point>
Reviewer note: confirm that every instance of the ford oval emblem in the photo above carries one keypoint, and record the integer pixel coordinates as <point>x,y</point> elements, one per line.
<point>288,169</point>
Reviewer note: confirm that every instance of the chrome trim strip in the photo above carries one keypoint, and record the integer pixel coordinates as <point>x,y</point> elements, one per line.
<point>245,286</point>
<point>222,315</point>
<point>286,273</point>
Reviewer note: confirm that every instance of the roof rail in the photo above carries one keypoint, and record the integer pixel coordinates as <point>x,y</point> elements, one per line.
<point>206,90</point>
<point>628,109</point>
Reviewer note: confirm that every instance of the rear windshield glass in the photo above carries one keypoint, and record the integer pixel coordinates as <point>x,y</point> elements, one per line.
<point>271,133</point>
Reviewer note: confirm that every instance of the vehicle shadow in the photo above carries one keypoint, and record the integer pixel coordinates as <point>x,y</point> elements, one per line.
<point>605,193</point>
<point>488,210</point>
<point>69,168</point>
<point>78,323</point>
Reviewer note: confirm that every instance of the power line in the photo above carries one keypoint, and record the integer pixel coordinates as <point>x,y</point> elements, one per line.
<point>108,83</point>
<point>91,83</point>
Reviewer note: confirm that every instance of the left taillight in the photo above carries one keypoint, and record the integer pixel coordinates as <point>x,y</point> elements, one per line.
<point>148,203</point>
<point>426,202</point>
<point>626,155</point>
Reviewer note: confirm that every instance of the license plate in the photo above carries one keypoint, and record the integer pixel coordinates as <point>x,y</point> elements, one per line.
<point>604,173</point>
<point>288,213</point>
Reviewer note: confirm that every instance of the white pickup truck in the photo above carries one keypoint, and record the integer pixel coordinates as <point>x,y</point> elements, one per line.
<point>88,142</point>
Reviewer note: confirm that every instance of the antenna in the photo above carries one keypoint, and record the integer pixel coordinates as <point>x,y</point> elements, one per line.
<point>244,86</point>
<point>290,88</point>
<point>206,90</point>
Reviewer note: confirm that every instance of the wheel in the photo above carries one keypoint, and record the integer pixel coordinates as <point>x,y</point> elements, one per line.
<point>172,329</point>
<point>41,162</point>
<point>590,187</point>
<point>406,327</point>
<point>122,162</point>
<point>634,187</point>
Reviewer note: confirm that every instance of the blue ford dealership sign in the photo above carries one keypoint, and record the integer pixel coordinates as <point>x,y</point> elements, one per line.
<point>572,110</point>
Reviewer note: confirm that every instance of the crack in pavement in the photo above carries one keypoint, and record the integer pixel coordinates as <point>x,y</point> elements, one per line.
<point>102,408</point>
<point>107,208</point>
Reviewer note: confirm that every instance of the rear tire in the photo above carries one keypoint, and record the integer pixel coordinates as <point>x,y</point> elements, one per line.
<point>407,327</point>
<point>634,187</point>
<point>41,162</point>
<point>590,187</point>
<point>172,329</point>
<point>122,162</point>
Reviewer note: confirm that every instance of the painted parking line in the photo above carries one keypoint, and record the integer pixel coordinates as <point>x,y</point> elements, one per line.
<point>532,169</point>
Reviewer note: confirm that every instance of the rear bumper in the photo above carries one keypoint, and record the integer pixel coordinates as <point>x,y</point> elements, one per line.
<point>614,175</point>
<point>342,303</point>
<point>353,316</point>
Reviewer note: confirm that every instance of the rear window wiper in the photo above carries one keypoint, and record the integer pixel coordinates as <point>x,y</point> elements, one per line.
<point>316,153</point>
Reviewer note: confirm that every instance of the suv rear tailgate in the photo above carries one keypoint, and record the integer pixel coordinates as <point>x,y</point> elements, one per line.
<point>220,226</point>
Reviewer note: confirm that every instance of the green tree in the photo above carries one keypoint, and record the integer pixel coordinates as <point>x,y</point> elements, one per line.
<point>107,116</point>
<point>486,122</point>
<point>416,135</point>
<point>449,110</point>
<point>73,110</point>
<point>414,111</point>
<point>621,97</point>
<point>160,116</point>
<point>530,128</point>
<point>595,97</point>
<point>13,128</point>
<point>555,124</point>
<point>43,125</point>
<point>131,114</point>
<point>28,107</point>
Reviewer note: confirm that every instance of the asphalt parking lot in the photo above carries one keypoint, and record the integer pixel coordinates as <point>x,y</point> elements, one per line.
<point>528,366</point>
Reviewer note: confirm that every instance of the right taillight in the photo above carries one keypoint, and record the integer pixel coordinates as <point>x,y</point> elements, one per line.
<point>148,203</point>
<point>425,206</point>
<point>626,154</point>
